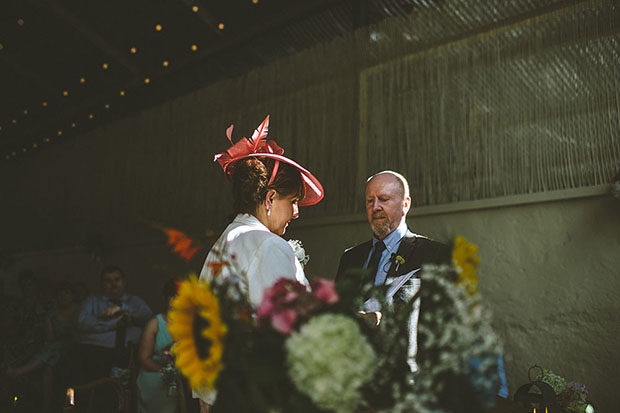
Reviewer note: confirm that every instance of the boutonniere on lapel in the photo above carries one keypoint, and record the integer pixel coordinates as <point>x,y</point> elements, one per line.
<point>399,261</point>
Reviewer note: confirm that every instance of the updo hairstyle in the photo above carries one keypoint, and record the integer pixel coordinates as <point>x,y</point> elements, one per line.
<point>250,182</point>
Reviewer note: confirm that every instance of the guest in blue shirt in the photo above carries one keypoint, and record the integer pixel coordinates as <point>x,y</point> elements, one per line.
<point>107,322</point>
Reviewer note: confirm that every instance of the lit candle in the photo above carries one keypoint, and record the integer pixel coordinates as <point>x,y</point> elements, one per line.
<point>70,396</point>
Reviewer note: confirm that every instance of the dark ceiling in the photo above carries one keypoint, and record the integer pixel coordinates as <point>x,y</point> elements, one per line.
<point>67,66</point>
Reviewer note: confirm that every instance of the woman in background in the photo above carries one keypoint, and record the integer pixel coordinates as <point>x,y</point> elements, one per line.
<point>156,383</point>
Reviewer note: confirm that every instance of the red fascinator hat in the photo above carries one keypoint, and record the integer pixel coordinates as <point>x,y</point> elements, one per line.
<point>258,146</point>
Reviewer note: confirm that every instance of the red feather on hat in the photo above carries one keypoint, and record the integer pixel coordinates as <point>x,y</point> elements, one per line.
<point>260,133</point>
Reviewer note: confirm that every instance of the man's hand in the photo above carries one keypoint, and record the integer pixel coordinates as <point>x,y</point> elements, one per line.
<point>110,312</point>
<point>374,316</point>
<point>124,318</point>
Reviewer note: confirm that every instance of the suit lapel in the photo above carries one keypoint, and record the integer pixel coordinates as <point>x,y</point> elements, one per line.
<point>406,251</point>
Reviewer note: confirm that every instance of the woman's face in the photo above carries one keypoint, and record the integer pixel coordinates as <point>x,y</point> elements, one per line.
<point>283,210</point>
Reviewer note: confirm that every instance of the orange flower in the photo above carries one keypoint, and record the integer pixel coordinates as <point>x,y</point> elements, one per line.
<point>216,267</point>
<point>183,245</point>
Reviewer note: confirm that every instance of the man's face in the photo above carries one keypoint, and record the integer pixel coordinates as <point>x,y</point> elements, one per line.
<point>113,285</point>
<point>385,204</point>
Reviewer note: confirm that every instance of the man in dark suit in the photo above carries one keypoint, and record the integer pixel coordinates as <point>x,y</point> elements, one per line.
<point>395,254</point>
<point>394,250</point>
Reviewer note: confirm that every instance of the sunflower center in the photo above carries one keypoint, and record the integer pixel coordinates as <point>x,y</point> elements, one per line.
<point>203,345</point>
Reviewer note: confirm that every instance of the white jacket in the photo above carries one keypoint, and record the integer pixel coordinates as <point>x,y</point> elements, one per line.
<point>261,256</point>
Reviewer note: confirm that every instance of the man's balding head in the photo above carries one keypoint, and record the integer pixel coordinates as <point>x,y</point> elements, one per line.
<point>387,202</point>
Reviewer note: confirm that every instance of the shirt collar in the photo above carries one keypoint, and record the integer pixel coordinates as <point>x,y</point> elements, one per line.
<point>251,220</point>
<point>392,241</point>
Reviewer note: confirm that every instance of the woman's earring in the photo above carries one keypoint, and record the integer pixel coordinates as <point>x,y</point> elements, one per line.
<point>269,211</point>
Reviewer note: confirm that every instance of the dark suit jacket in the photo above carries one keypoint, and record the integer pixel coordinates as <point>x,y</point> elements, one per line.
<point>416,250</point>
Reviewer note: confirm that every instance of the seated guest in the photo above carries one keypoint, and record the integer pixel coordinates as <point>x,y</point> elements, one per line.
<point>154,389</point>
<point>107,322</point>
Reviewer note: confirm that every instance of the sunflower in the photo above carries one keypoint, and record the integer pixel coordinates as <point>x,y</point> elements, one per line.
<point>196,327</point>
<point>466,262</point>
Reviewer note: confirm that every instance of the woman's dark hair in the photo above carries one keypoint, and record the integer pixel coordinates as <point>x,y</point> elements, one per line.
<point>250,179</point>
<point>171,288</point>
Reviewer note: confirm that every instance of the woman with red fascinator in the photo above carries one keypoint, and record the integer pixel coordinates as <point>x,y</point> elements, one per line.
<point>268,189</point>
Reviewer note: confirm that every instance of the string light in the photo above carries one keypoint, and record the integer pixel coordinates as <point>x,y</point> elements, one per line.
<point>44,104</point>
<point>46,140</point>
<point>133,50</point>
<point>91,116</point>
<point>20,22</point>
<point>73,124</point>
<point>194,47</point>
<point>195,9</point>
<point>1,46</point>
<point>59,133</point>
<point>65,93</point>
<point>220,26</point>
<point>24,150</point>
<point>25,111</point>
<point>158,27</point>
<point>35,146</point>
<point>147,80</point>
<point>122,93</point>
<point>82,80</point>
<point>14,121</point>
<point>104,66</point>
<point>107,106</point>
<point>165,63</point>
<point>255,1</point>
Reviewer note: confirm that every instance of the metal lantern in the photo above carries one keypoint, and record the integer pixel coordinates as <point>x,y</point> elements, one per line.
<point>543,401</point>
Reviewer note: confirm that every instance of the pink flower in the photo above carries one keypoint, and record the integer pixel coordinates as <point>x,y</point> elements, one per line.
<point>288,301</point>
<point>283,320</point>
<point>325,290</point>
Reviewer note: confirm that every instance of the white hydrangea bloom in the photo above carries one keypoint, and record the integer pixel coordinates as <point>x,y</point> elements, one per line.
<point>330,360</point>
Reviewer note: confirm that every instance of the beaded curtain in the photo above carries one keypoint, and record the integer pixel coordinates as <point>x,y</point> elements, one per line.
<point>469,100</point>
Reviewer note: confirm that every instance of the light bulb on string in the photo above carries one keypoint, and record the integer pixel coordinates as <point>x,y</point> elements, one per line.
<point>65,93</point>
<point>44,104</point>
<point>133,50</point>
<point>105,66</point>
<point>165,63</point>
<point>122,93</point>
<point>158,27</point>
<point>194,47</point>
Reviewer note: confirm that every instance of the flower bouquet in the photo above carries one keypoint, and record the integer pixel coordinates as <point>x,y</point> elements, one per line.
<point>309,350</point>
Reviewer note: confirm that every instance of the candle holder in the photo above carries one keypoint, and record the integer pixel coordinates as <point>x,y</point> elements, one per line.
<point>537,396</point>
